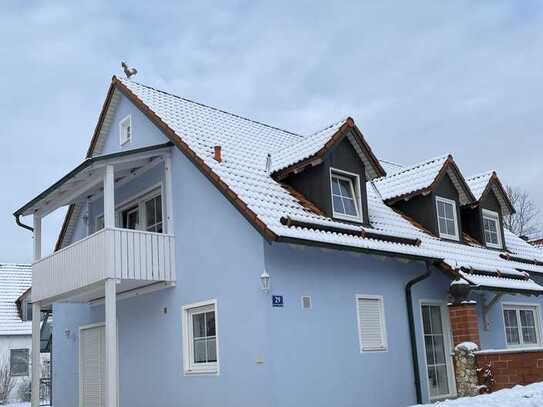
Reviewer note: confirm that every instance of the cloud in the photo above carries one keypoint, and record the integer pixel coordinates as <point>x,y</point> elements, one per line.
<point>420,78</point>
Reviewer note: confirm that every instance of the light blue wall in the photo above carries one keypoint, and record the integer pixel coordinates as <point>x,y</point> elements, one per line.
<point>316,359</point>
<point>494,337</point>
<point>211,238</point>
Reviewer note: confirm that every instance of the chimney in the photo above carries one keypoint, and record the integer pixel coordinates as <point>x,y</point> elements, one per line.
<point>218,156</point>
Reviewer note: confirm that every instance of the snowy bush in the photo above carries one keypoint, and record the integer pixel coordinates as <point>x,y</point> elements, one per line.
<point>6,381</point>
<point>24,391</point>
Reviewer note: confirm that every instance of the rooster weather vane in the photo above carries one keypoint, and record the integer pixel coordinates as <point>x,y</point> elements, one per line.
<point>128,71</point>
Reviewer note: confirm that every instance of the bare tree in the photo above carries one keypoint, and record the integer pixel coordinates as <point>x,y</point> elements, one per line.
<point>524,221</point>
<point>6,381</point>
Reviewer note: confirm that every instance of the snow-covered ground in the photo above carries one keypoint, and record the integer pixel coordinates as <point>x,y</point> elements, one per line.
<point>17,405</point>
<point>519,396</point>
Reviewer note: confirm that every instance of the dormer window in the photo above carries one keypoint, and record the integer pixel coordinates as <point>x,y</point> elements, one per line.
<point>491,226</point>
<point>345,195</point>
<point>125,130</point>
<point>446,218</point>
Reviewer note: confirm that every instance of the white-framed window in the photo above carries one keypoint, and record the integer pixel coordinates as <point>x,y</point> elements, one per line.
<point>492,229</point>
<point>125,130</point>
<point>446,218</point>
<point>143,213</point>
<point>306,302</point>
<point>345,188</point>
<point>200,338</point>
<point>522,325</point>
<point>18,362</point>
<point>371,323</point>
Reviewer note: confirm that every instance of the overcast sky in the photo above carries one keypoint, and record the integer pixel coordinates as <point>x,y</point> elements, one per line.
<point>421,79</point>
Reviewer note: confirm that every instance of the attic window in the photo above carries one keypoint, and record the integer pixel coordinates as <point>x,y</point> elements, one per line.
<point>125,130</point>
<point>491,226</point>
<point>446,218</point>
<point>345,195</point>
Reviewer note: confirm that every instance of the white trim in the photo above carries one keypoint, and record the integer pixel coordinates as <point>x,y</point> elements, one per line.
<point>517,306</point>
<point>354,180</point>
<point>456,235</point>
<point>381,299</point>
<point>448,343</point>
<point>492,215</point>
<point>122,126</point>
<point>188,367</point>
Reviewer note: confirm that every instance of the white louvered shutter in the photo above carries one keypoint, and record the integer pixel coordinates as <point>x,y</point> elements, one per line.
<point>92,369</point>
<point>371,321</point>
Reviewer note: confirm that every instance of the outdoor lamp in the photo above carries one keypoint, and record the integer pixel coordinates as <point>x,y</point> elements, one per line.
<point>265,281</point>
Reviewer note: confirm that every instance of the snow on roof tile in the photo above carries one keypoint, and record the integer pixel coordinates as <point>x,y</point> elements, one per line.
<point>245,146</point>
<point>478,183</point>
<point>15,279</point>
<point>410,179</point>
<point>304,148</point>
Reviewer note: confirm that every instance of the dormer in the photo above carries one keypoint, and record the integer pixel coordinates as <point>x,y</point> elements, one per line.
<point>330,169</point>
<point>484,217</point>
<point>431,193</point>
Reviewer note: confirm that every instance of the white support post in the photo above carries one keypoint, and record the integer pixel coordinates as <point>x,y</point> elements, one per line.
<point>109,197</point>
<point>168,192</point>
<point>111,343</point>
<point>37,237</point>
<point>36,363</point>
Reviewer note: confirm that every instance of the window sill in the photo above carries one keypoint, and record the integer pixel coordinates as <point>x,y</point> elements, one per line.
<point>202,372</point>
<point>345,218</point>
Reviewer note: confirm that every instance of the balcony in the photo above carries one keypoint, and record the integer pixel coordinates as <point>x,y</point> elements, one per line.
<point>134,258</point>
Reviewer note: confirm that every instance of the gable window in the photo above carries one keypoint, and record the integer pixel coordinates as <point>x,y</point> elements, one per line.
<point>491,226</point>
<point>18,362</point>
<point>125,130</point>
<point>521,325</point>
<point>446,218</point>
<point>345,195</point>
<point>200,338</point>
<point>371,323</point>
<point>26,310</point>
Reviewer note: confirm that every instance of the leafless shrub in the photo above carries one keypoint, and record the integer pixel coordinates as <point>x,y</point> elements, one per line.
<point>6,381</point>
<point>524,221</point>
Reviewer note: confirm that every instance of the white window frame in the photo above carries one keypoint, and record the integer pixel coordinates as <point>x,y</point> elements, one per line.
<point>448,341</point>
<point>456,235</point>
<point>139,201</point>
<point>123,137</point>
<point>189,367</point>
<point>354,180</point>
<point>518,306</point>
<point>494,216</point>
<point>381,299</point>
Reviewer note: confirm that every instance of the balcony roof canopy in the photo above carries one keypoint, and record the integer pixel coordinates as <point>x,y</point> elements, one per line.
<point>87,178</point>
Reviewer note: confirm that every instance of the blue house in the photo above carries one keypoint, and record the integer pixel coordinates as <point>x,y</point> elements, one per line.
<point>211,260</point>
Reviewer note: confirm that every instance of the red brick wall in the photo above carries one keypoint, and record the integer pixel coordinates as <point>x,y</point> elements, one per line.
<point>510,369</point>
<point>464,323</point>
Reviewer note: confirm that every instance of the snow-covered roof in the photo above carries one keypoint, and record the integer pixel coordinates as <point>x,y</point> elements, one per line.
<point>15,279</point>
<point>420,178</point>
<point>243,177</point>
<point>479,184</point>
<point>313,144</point>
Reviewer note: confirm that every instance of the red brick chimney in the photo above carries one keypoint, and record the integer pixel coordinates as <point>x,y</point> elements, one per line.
<point>218,156</point>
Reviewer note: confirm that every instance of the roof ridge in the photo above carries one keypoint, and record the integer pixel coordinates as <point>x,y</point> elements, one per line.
<point>211,107</point>
<point>481,175</point>
<point>308,136</point>
<point>414,166</point>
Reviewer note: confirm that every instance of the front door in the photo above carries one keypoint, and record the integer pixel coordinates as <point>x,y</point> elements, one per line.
<point>92,362</point>
<point>437,345</point>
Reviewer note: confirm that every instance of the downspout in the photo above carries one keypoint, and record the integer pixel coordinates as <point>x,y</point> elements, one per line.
<point>18,222</point>
<point>412,330</point>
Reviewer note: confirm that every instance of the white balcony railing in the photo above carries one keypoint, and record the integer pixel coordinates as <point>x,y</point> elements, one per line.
<point>122,254</point>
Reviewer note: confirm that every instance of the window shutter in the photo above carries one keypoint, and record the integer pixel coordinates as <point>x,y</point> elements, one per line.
<point>371,321</point>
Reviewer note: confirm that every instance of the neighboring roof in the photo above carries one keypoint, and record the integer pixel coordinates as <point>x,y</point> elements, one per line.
<point>243,179</point>
<point>298,154</point>
<point>421,178</point>
<point>483,183</point>
<point>15,279</point>
<point>537,243</point>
